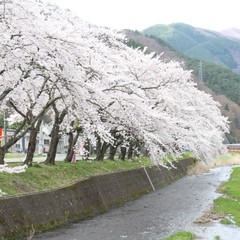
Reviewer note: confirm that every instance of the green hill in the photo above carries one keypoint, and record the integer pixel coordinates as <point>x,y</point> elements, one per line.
<point>199,43</point>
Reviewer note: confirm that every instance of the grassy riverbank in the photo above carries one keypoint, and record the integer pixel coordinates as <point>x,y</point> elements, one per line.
<point>181,236</point>
<point>42,177</point>
<point>229,203</point>
<point>223,160</point>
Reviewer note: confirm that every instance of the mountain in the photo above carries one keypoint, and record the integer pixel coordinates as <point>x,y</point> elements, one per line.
<point>233,33</point>
<point>223,84</point>
<point>153,44</point>
<point>219,48</point>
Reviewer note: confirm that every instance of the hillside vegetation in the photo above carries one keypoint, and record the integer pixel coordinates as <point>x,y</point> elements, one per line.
<point>220,79</point>
<point>198,43</point>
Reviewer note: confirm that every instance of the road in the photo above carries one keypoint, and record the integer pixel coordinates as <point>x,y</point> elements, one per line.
<point>59,157</point>
<point>157,215</point>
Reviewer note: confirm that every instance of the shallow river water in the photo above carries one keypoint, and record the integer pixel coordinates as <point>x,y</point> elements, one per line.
<point>158,214</point>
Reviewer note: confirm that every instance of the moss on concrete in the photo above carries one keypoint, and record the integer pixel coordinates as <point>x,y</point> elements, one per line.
<point>50,209</point>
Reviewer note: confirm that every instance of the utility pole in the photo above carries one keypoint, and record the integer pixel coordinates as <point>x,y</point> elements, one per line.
<point>200,72</point>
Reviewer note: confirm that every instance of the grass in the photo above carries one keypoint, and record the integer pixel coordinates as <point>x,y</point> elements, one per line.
<point>13,155</point>
<point>229,203</point>
<point>223,160</point>
<point>228,159</point>
<point>226,221</point>
<point>184,235</point>
<point>169,158</point>
<point>43,177</point>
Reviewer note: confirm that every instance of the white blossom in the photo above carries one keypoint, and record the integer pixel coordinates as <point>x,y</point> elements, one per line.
<point>47,54</point>
<point>18,169</point>
<point>2,193</point>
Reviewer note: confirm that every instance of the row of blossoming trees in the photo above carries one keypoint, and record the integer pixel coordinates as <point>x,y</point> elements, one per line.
<point>90,82</point>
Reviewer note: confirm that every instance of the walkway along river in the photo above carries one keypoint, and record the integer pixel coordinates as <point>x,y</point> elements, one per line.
<point>157,215</point>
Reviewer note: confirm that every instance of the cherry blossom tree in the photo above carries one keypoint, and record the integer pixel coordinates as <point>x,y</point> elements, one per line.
<point>28,70</point>
<point>154,103</point>
<point>51,59</point>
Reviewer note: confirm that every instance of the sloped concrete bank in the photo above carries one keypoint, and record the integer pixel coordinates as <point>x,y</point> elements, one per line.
<point>21,215</point>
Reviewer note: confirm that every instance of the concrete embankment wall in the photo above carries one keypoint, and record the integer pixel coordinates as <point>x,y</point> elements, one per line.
<point>20,215</point>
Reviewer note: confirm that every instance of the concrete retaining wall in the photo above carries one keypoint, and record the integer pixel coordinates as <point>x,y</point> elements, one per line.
<point>45,210</point>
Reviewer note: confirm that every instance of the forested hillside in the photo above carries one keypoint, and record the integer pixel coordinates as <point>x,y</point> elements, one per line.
<point>220,79</point>
<point>199,43</point>
<point>222,83</point>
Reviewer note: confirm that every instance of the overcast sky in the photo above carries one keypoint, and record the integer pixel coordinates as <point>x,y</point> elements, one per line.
<point>138,15</point>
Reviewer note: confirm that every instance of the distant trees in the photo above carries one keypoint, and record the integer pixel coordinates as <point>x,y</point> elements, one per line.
<point>220,79</point>
<point>52,63</point>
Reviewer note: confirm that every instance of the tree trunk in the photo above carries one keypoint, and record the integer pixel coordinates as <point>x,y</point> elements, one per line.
<point>123,153</point>
<point>23,129</point>
<point>72,140</point>
<point>112,152</point>
<point>98,147</point>
<point>31,147</point>
<point>2,155</point>
<point>12,141</point>
<point>70,148</point>
<point>55,135</point>
<point>51,155</point>
<point>32,143</point>
<point>116,144</point>
<point>101,151</point>
<point>130,152</point>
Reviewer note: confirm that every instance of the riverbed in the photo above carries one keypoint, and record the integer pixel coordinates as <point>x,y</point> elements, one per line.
<point>156,215</point>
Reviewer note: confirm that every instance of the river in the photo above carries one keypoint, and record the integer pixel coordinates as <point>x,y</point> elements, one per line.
<point>158,214</point>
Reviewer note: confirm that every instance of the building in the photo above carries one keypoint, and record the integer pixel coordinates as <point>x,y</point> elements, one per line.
<point>233,147</point>
<point>43,141</point>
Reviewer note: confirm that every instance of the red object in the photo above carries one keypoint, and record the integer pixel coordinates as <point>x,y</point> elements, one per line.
<point>1,132</point>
